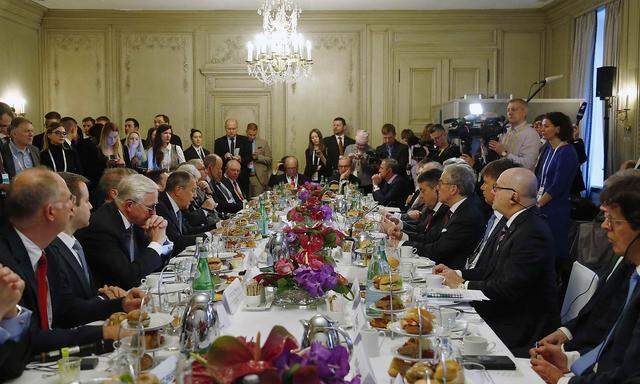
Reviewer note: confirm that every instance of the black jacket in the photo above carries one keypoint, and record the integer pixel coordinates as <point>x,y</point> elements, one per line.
<point>73,162</point>
<point>399,152</point>
<point>394,194</point>
<point>333,153</point>
<point>221,147</point>
<point>521,284</point>
<point>190,153</point>
<point>449,153</point>
<point>456,238</point>
<point>310,168</point>
<point>224,206</point>
<point>486,257</point>
<point>429,227</point>
<point>180,235</point>
<point>14,356</point>
<point>107,250</point>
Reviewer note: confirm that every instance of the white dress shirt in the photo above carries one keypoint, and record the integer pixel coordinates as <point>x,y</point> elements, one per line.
<point>35,253</point>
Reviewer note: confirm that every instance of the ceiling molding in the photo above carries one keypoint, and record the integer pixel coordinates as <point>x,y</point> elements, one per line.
<point>26,13</point>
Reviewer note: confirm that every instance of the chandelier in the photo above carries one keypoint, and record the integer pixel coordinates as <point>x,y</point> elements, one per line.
<point>279,54</point>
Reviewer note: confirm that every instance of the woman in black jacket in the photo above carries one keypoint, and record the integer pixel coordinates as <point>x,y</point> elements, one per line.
<point>57,154</point>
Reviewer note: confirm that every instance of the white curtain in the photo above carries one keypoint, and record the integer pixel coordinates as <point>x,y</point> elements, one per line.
<point>612,31</point>
<point>582,74</point>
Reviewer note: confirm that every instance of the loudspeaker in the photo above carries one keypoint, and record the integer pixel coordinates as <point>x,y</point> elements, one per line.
<point>605,77</point>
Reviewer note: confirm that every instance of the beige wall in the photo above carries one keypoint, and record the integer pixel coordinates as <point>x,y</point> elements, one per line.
<point>20,59</point>
<point>370,68</point>
<point>559,37</point>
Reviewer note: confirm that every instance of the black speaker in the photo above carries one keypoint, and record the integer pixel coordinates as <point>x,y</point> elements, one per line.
<point>605,77</point>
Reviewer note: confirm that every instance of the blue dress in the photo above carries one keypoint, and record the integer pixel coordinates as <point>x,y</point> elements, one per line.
<point>555,172</point>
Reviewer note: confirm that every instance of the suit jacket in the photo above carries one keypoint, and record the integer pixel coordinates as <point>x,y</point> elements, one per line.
<point>221,146</point>
<point>282,179</point>
<point>67,309</point>
<point>399,152</point>
<point>224,206</point>
<point>453,242</point>
<point>394,194</point>
<point>190,153</point>
<point>310,168</point>
<point>597,317</point>
<point>263,162</point>
<point>68,263</point>
<point>176,140</point>
<point>449,153</point>
<point>107,250</point>
<point>333,153</point>
<point>486,257</point>
<point>426,231</point>
<point>521,284</point>
<point>38,141</point>
<point>177,233</point>
<point>14,356</point>
<point>9,164</point>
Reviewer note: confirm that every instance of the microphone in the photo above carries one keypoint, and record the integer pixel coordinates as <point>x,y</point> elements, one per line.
<point>99,347</point>
<point>549,79</point>
<point>581,110</point>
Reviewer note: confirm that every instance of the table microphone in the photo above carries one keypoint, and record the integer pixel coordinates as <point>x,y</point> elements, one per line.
<point>97,348</point>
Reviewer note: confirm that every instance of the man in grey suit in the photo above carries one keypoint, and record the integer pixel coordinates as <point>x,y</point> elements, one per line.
<point>260,166</point>
<point>20,154</point>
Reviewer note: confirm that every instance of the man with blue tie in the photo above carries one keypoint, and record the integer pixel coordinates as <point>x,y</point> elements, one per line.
<point>617,357</point>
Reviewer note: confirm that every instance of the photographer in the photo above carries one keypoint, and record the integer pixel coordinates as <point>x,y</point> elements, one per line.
<point>363,160</point>
<point>520,142</point>
<point>445,150</point>
<point>316,158</point>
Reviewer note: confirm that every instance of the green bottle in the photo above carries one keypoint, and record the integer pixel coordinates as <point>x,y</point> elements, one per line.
<point>202,281</point>
<point>378,264</point>
<point>264,219</point>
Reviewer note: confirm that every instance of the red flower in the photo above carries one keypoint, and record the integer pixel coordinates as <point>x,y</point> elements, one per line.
<point>284,267</point>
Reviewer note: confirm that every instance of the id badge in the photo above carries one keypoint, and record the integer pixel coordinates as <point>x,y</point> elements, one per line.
<point>540,193</point>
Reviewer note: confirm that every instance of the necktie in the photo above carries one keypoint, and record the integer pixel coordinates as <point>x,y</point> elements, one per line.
<point>485,238</point>
<point>429,221</point>
<point>225,192</point>
<point>179,217</point>
<point>128,235</point>
<point>590,358</point>
<point>340,146</point>
<point>232,146</point>
<point>236,188</point>
<point>389,150</point>
<point>201,154</point>
<point>501,236</point>
<point>43,291</point>
<point>447,218</point>
<point>83,261</point>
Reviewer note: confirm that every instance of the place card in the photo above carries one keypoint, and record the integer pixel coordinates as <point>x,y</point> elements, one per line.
<point>361,362</point>
<point>166,370</point>
<point>223,316</point>
<point>232,296</point>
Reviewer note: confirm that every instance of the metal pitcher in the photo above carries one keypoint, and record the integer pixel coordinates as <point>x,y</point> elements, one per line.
<point>199,323</point>
<point>321,328</point>
<point>277,248</point>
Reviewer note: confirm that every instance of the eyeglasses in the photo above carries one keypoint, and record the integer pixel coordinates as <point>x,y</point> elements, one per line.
<point>60,133</point>
<point>609,222</point>
<point>150,208</point>
<point>495,188</point>
<point>72,199</point>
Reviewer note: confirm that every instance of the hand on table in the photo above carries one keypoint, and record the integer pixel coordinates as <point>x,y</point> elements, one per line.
<point>439,269</point>
<point>555,338</point>
<point>451,278</point>
<point>209,204</point>
<point>547,371</point>
<point>133,300</point>
<point>552,354</point>
<point>413,214</point>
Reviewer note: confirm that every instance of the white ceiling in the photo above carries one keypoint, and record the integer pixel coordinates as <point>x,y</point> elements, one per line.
<point>173,5</point>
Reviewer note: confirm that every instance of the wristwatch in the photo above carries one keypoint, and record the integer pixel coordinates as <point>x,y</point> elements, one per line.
<point>503,154</point>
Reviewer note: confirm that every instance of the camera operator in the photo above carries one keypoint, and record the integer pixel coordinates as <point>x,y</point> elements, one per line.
<point>445,150</point>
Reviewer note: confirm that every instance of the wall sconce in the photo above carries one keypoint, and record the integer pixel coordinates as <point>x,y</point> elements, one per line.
<point>622,114</point>
<point>16,102</point>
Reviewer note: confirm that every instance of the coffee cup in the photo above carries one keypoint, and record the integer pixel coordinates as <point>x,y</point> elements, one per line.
<point>152,282</point>
<point>407,251</point>
<point>434,281</point>
<point>448,317</point>
<point>477,345</point>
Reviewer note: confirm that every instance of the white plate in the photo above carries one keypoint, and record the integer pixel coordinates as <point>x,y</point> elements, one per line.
<point>170,288</point>
<point>378,235</point>
<point>158,320</point>
<point>225,255</point>
<point>373,307</point>
<point>265,307</point>
<point>395,291</point>
<point>396,328</point>
<point>423,263</point>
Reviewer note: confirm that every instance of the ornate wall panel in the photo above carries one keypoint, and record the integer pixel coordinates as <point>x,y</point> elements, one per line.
<point>156,76</point>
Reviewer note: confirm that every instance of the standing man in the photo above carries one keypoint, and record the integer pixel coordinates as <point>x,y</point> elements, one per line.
<point>236,147</point>
<point>337,142</point>
<point>260,165</point>
<point>521,142</point>
<point>158,120</point>
<point>392,149</point>
<point>20,154</point>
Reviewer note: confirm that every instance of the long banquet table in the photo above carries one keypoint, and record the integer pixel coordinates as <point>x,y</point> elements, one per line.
<point>248,323</point>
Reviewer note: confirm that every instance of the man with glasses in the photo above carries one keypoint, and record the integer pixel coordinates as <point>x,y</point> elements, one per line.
<point>615,358</point>
<point>20,154</point>
<point>124,240</point>
<point>521,279</point>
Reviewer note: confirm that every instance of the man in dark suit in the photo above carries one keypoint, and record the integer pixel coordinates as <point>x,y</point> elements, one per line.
<point>237,147</point>
<point>393,149</point>
<point>227,202</point>
<point>390,188</point>
<point>616,355</point>
<point>178,194</point>
<point>201,215</point>
<point>444,149</point>
<point>344,175</point>
<point>482,256</point>
<point>158,120</point>
<point>521,282</point>
<point>40,208</point>
<point>291,176</point>
<point>458,234</point>
<point>20,154</point>
<point>14,326</point>
<point>337,143</point>
<point>49,117</point>
<point>124,240</point>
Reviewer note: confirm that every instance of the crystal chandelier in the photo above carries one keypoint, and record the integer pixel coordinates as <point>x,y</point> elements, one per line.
<point>279,54</point>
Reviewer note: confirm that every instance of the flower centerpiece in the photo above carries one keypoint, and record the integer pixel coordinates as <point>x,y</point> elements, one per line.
<point>278,361</point>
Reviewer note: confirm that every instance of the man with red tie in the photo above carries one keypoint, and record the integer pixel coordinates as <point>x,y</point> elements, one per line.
<point>291,176</point>
<point>337,142</point>
<point>230,179</point>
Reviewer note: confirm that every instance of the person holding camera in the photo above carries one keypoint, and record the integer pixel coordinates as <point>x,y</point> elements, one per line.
<point>316,158</point>
<point>444,149</point>
<point>520,142</point>
<point>362,158</point>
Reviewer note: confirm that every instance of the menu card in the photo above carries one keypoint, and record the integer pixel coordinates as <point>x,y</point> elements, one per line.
<point>223,316</point>
<point>232,296</point>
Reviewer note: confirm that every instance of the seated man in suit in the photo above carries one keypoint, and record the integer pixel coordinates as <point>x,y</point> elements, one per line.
<point>520,281</point>
<point>124,240</point>
<point>40,206</point>
<point>458,235</point>
<point>390,188</point>
<point>14,326</point>
<point>415,207</point>
<point>107,189</point>
<point>232,182</point>
<point>67,255</point>
<point>201,216</point>
<point>176,198</point>
<point>291,176</point>
<point>344,175</point>
<point>227,203</point>
<point>615,358</point>
<point>392,148</point>
<point>445,150</point>
<point>481,257</point>
<point>20,154</point>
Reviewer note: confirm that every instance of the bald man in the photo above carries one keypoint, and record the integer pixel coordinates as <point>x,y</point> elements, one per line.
<point>230,179</point>
<point>236,147</point>
<point>521,279</point>
<point>291,176</point>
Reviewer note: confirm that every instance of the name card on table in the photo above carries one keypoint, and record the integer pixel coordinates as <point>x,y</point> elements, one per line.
<point>223,316</point>
<point>232,296</point>
<point>361,363</point>
<point>166,370</point>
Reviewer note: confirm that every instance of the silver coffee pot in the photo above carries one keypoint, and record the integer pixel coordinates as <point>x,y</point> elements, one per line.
<point>199,323</point>
<point>321,328</point>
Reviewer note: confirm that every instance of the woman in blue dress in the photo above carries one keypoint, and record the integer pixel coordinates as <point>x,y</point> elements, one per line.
<point>556,169</point>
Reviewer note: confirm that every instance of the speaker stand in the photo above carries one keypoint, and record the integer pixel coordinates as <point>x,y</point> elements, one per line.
<point>605,136</point>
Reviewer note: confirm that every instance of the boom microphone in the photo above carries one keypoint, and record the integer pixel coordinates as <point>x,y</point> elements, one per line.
<point>549,79</point>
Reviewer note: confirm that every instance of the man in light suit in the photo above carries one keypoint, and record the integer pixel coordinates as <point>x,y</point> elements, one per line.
<point>260,165</point>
